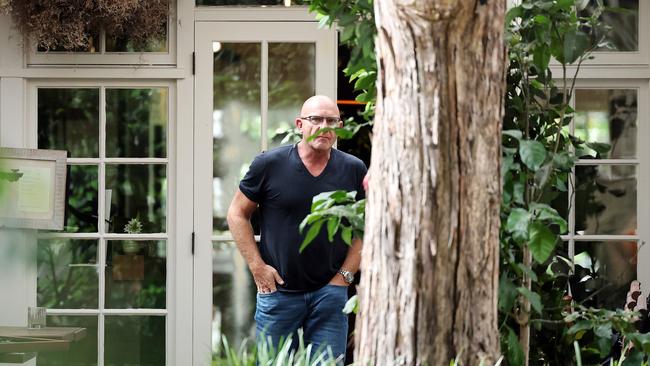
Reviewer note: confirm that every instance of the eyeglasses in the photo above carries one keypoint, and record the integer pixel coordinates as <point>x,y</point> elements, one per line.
<point>317,120</point>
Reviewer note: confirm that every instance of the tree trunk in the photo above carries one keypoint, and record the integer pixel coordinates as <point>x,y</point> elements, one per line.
<point>430,259</point>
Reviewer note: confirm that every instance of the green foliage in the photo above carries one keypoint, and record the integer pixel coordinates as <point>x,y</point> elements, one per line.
<point>538,155</point>
<point>595,329</point>
<point>134,226</point>
<point>265,354</point>
<point>339,210</point>
<point>352,305</point>
<point>356,22</point>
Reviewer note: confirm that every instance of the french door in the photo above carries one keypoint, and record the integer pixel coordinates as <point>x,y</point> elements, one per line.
<point>251,79</point>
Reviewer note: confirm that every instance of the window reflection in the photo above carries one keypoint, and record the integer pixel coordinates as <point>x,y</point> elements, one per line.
<point>136,122</point>
<point>604,271</point>
<point>233,296</point>
<point>606,199</point>
<point>292,79</point>
<point>82,352</point>
<point>136,194</point>
<point>68,119</point>
<point>82,200</point>
<point>608,116</point>
<point>623,22</point>
<point>67,274</point>
<point>135,340</point>
<point>125,44</point>
<point>236,121</point>
<point>136,274</point>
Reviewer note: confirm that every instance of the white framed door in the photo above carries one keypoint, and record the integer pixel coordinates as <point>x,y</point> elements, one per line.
<point>251,79</point>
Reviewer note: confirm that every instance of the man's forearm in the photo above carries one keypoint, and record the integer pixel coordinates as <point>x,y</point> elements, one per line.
<point>353,259</point>
<point>242,232</point>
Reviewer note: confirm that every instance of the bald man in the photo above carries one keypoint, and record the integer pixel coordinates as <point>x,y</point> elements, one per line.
<point>299,290</point>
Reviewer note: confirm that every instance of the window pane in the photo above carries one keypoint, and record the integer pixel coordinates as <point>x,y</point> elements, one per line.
<point>82,352</point>
<point>292,79</point>
<point>136,274</point>
<point>124,44</point>
<point>67,274</point>
<point>137,192</point>
<point>608,116</point>
<point>236,121</point>
<point>606,274</point>
<point>135,340</point>
<point>81,208</point>
<point>251,2</point>
<point>91,46</point>
<point>136,122</point>
<point>624,23</point>
<point>233,296</point>
<point>68,119</point>
<point>606,198</point>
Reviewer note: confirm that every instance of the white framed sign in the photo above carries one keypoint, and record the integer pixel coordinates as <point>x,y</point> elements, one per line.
<point>32,188</point>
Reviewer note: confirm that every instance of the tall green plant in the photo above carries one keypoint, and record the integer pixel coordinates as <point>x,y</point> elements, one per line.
<point>538,155</point>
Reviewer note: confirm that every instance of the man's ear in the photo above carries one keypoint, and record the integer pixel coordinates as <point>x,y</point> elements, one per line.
<point>298,123</point>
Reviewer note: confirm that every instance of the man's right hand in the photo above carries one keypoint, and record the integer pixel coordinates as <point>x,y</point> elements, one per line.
<point>265,278</point>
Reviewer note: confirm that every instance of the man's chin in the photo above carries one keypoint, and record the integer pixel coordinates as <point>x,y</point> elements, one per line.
<point>321,143</point>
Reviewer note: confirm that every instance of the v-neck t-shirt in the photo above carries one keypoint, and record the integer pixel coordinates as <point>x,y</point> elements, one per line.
<point>281,185</point>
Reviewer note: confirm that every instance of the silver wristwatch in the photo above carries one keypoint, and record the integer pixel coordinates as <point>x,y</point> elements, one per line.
<point>347,276</point>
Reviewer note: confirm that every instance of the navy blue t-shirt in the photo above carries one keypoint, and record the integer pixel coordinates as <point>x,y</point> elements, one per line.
<point>281,185</point>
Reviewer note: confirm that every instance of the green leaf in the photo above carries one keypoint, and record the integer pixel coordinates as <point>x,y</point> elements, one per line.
<point>346,234</point>
<point>541,19</point>
<point>533,154</point>
<point>542,241</point>
<point>514,352</point>
<point>352,305</point>
<point>541,57</point>
<point>507,294</point>
<point>563,160</point>
<point>518,189</point>
<point>516,134</point>
<point>332,227</point>
<point>311,234</point>
<point>583,260</point>
<point>580,326</point>
<point>517,223</point>
<point>542,175</point>
<point>515,12</point>
<point>560,185</point>
<point>575,45</point>
<point>533,297</point>
<point>548,214</point>
<point>599,147</point>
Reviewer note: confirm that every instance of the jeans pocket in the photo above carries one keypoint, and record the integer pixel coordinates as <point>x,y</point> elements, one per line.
<point>268,294</point>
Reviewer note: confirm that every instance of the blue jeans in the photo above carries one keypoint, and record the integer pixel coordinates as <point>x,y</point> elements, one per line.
<point>319,313</point>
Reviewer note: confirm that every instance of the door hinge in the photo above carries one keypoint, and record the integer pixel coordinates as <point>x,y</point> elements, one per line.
<point>193,63</point>
<point>193,242</point>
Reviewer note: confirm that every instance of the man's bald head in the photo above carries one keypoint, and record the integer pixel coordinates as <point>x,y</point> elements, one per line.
<point>318,102</point>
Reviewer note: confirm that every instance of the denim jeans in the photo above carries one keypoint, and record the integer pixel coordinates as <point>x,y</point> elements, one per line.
<point>319,313</point>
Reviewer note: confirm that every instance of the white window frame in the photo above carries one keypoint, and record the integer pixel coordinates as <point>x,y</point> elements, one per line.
<point>235,25</point>
<point>642,163</point>
<point>173,304</point>
<point>641,57</point>
<point>33,58</point>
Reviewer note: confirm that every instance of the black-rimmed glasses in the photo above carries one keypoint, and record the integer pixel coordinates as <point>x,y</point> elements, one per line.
<point>317,120</point>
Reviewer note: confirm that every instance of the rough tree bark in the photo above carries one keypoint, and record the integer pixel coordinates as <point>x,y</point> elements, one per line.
<point>430,260</point>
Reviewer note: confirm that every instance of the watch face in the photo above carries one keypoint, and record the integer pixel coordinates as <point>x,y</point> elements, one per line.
<point>349,277</point>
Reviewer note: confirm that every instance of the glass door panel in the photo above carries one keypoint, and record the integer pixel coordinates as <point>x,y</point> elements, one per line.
<point>252,79</point>
<point>107,270</point>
